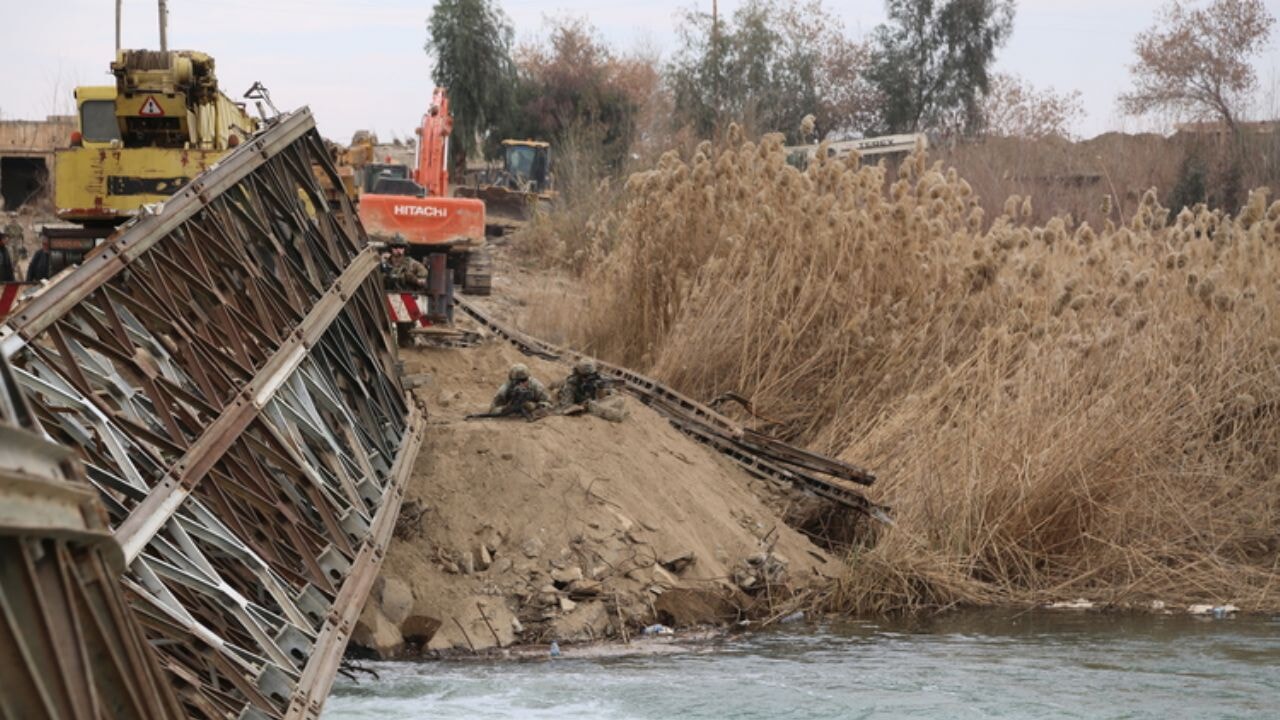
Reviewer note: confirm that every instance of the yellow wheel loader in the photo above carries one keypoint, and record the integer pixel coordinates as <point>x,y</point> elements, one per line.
<point>514,192</point>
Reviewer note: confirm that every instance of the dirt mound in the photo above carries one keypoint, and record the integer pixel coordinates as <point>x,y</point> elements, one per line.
<point>568,528</point>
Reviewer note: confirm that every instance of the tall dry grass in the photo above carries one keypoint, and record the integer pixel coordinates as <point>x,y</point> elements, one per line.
<point>586,187</point>
<point>1053,410</point>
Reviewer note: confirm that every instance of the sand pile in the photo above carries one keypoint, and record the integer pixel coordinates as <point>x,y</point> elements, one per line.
<point>568,528</point>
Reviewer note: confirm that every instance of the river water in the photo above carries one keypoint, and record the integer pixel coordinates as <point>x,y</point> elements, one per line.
<point>964,665</point>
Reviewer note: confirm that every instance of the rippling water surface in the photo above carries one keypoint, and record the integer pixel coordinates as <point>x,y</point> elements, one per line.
<point>971,665</point>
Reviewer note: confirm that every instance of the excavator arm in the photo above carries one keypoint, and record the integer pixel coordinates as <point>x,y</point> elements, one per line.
<point>432,172</point>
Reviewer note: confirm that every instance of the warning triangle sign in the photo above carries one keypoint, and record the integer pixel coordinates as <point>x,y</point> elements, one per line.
<point>151,108</point>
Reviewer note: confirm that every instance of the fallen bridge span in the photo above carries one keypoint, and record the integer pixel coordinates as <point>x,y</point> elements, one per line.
<point>223,371</point>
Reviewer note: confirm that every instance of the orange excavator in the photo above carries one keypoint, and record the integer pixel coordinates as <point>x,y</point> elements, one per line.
<point>444,233</point>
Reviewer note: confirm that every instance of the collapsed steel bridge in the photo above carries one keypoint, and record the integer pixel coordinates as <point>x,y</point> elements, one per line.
<point>221,445</point>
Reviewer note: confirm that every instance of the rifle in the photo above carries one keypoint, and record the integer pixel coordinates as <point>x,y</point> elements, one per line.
<point>593,386</point>
<point>511,411</point>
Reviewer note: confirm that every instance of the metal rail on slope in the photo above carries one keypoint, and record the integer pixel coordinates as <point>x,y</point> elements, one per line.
<point>223,369</point>
<point>759,454</point>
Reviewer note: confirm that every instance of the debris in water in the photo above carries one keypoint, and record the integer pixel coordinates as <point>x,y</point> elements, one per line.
<point>1218,611</point>
<point>1077,604</point>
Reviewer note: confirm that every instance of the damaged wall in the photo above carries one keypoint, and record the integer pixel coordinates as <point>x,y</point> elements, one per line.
<point>26,158</point>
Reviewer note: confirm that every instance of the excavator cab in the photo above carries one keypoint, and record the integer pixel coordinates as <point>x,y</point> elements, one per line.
<point>390,179</point>
<point>526,165</point>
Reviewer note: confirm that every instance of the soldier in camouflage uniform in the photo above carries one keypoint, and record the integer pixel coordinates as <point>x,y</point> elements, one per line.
<point>11,238</point>
<point>402,271</point>
<point>520,393</point>
<point>584,384</point>
<point>587,389</point>
<point>13,231</point>
<point>7,271</point>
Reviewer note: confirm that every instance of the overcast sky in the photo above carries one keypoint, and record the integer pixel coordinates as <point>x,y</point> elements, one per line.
<point>360,63</point>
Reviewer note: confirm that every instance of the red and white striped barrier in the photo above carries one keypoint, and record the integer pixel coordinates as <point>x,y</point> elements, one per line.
<point>407,307</point>
<point>9,293</point>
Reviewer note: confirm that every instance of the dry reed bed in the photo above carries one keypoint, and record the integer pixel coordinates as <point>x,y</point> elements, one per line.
<point>1053,411</point>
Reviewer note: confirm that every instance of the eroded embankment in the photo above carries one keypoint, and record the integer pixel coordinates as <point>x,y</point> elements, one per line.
<point>570,528</point>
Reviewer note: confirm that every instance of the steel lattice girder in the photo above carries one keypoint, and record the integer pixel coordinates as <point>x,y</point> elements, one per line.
<point>69,646</point>
<point>224,369</point>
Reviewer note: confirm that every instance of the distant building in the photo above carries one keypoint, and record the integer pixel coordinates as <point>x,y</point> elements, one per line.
<point>26,158</point>
<point>1218,129</point>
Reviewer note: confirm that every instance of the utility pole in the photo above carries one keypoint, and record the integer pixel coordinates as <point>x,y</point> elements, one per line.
<point>118,4</point>
<point>715,58</point>
<point>164,23</point>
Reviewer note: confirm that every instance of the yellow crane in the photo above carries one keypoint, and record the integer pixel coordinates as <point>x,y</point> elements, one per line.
<point>163,122</point>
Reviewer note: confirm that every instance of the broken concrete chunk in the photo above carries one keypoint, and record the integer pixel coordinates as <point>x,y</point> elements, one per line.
<point>588,621</point>
<point>419,628</point>
<point>579,589</point>
<point>678,563</point>
<point>664,577</point>
<point>567,575</point>
<point>373,631</point>
<point>397,600</point>
<point>531,548</point>
<point>416,380</point>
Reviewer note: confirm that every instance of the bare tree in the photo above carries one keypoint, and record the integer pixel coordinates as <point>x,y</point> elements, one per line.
<point>1016,108</point>
<point>1196,60</point>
